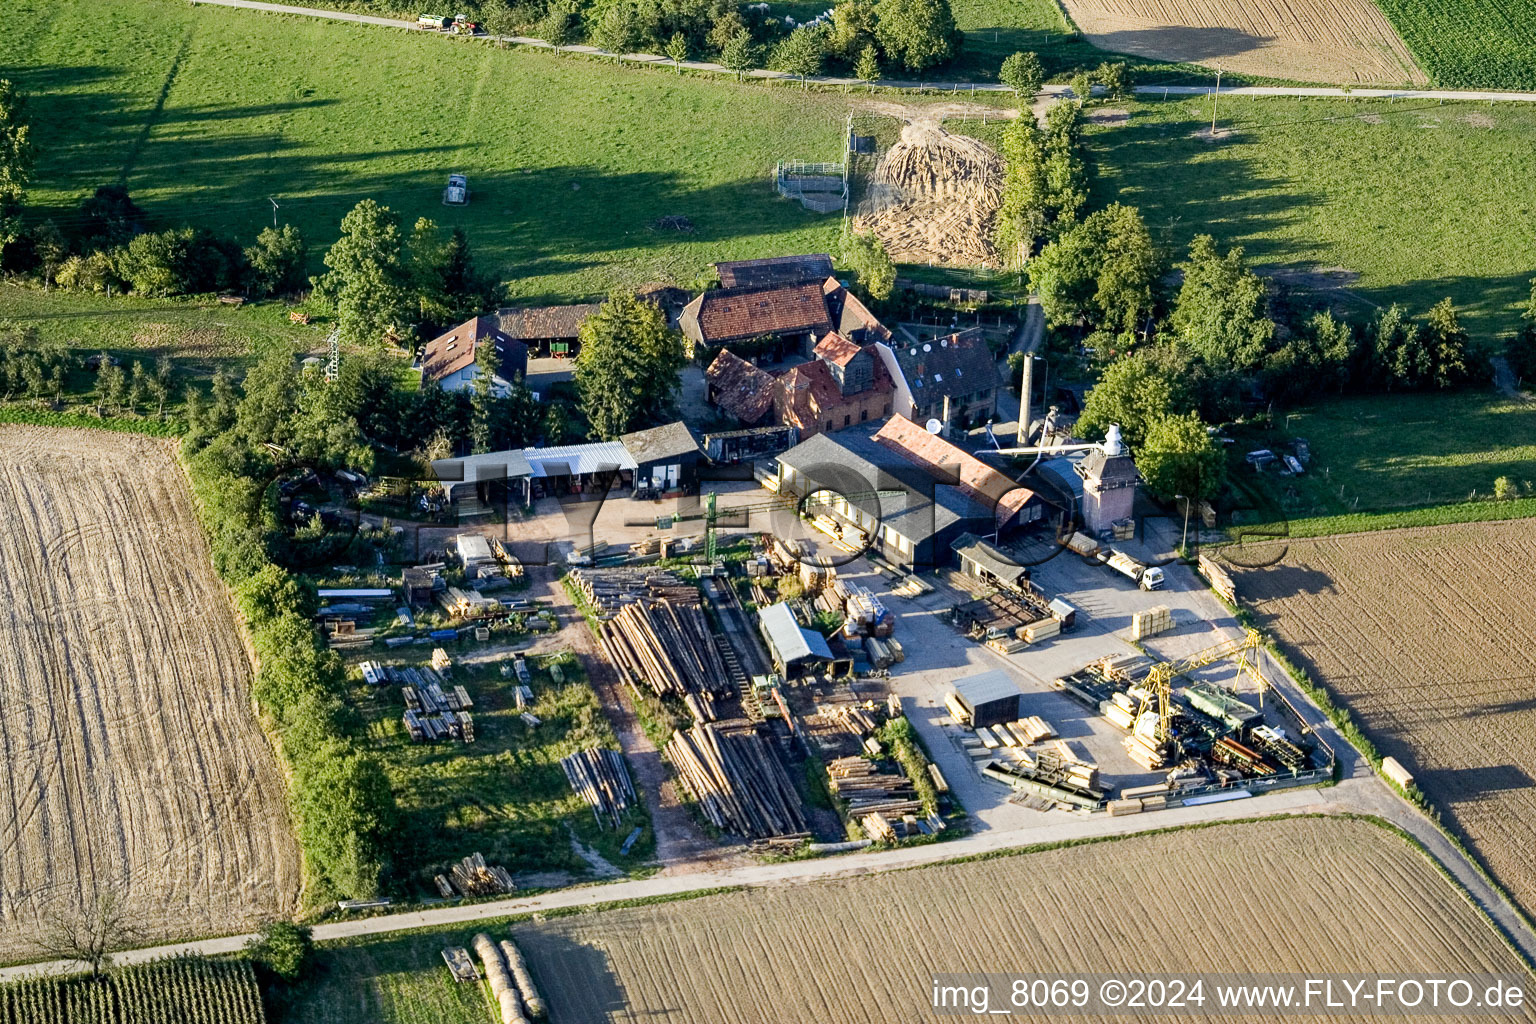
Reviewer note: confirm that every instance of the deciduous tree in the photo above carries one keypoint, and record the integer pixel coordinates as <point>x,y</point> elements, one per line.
<point>1222,312</point>
<point>865,255</point>
<point>1179,456</point>
<point>277,261</point>
<point>917,34</point>
<point>1023,73</point>
<point>368,280</point>
<point>16,159</point>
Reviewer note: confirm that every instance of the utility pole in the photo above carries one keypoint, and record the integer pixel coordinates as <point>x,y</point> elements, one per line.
<point>274,212</point>
<point>1215,98</point>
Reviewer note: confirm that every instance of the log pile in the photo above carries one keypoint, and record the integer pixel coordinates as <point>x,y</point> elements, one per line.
<point>601,778</point>
<point>610,589</point>
<point>473,877</point>
<point>668,647</point>
<point>869,790</point>
<point>503,990</point>
<point>738,781</point>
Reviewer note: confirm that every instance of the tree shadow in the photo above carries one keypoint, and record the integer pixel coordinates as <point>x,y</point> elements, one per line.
<point>1180,43</point>
<point>576,980</point>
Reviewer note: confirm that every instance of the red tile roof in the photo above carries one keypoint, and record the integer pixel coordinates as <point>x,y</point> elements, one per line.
<point>726,315</point>
<point>741,389</point>
<point>808,393</point>
<point>935,454</point>
<point>837,349</point>
<point>453,350</point>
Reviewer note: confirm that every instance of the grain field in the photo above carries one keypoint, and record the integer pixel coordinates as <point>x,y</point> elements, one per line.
<point>1293,895</point>
<point>131,762</point>
<point>1427,636</point>
<point>1342,41</point>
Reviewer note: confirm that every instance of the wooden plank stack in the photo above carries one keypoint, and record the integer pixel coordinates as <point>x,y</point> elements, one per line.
<point>738,780</point>
<point>668,647</point>
<point>601,778</point>
<point>1151,622</point>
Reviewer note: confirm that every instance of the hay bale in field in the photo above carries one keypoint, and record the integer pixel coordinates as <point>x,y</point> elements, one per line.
<point>503,988</point>
<point>934,196</point>
<point>523,979</point>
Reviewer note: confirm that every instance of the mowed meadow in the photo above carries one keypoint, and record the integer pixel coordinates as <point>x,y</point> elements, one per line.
<point>204,113</point>
<point>1408,202</point>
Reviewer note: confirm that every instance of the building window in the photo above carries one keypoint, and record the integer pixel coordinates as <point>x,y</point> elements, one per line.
<point>863,415</point>
<point>847,419</point>
<point>829,425</point>
<point>887,408</point>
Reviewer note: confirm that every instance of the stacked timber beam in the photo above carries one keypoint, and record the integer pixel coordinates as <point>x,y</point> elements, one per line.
<point>738,781</point>
<point>601,778</point>
<point>473,877</point>
<point>871,791</point>
<point>669,648</point>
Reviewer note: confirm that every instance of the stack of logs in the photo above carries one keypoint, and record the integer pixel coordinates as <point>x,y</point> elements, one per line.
<point>668,647</point>
<point>601,779</point>
<point>871,791</point>
<point>738,781</point>
<point>473,877</point>
<point>611,589</point>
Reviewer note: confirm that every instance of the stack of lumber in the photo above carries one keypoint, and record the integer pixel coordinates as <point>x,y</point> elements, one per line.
<point>667,647</point>
<point>1143,750</point>
<point>611,588</point>
<point>866,610</point>
<point>1034,729</point>
<point>816,578</point>
<point>1042,629</point>
<point>1080,770</point>
<point>877,827</point>
<point>870,790</point>
<point>503,989</point>
<point>473,877</point>
<point>1151,622</point>
<point>601,778</point>
<point>1121,710</point>
<point>827,601</point>
<point>738,780</point>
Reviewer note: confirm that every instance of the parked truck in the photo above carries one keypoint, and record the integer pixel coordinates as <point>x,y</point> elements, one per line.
<point>1147,577</point>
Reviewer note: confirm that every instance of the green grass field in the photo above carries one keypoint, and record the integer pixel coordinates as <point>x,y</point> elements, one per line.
<point>1421,200</point>
<point>1470,44</point>
<point>506,795</point>
<point>1394,460</point>
<point>206,112</point>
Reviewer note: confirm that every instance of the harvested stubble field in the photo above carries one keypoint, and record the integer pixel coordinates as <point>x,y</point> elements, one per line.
<point>933,197</point>
<point>130,758</point>
<point>1305,894</point>
<point>1307,40</point>
<point>1426,636</point>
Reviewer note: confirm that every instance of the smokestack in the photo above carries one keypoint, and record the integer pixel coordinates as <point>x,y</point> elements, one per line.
<point>946,415</point>
<point>1026,392</point>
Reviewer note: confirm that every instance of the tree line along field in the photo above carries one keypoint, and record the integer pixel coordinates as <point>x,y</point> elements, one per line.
<point>1410,202</point>
<point>132,762</point>
<point>182,991</point>
<point>205,112</point>
<point>1470,44</point>
<point>1425,635</point>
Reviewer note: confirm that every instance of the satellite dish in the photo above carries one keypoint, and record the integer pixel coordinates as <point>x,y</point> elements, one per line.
<point>934,426</point>
<point>927,348</point>
<point>912,352</point>
<point>943,343</point>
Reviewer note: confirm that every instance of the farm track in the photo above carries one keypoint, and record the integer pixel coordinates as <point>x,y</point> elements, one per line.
<point>1426,636</point>
<point>860,950</point>
<point>132,762</point>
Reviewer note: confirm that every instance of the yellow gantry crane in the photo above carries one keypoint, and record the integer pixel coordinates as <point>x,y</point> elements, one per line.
<point>1159,681</point>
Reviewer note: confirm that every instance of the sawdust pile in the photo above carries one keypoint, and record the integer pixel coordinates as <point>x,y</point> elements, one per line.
<point>933,197</point>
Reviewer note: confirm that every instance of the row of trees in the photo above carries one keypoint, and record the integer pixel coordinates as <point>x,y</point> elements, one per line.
<point>1045,180</point>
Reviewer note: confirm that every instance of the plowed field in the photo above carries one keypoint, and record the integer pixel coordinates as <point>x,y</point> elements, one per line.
<point>1325,896</point>
<point>1308,40</point>
<point>1427,635</point>
<point>129,756</point>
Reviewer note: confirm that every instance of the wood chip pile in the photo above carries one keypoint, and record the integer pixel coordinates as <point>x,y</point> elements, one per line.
<point>934,197</point>
<point>738,781</point>
<point>601,778</point>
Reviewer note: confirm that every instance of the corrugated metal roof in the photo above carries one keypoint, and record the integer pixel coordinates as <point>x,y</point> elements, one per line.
<point>789,640</point>
<point>578,458</point>
<point>985,688</point>
<point>973,548</point>
<point>507,465</point>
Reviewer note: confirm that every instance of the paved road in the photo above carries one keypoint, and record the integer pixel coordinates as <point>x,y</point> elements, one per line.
<point>762,73</point>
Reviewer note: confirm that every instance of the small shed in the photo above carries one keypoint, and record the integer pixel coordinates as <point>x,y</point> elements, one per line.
<point>990,697</point>
<point>417,582</point>
<point>666,459</point>
<point>473,550</point>
<point>797,652</point>
<point>987,563</point>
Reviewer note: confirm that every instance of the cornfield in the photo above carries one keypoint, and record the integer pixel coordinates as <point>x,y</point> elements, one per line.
<point>182,991</point>
<point>1470,44</point>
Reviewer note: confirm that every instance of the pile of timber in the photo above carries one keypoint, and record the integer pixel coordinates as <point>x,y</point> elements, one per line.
<point>668,647</point>
<point>601,778</point>
<point>870,790</point>
<point>434,708</point>
<point>611,588</point>
<point>473,877</point>
<point>738,780</point>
